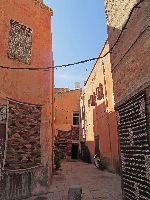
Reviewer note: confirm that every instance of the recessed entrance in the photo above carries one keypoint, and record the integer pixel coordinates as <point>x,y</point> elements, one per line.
<point>74,151</point>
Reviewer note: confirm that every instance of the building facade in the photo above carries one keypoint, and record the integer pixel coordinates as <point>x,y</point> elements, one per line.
<point>98,115</point>
<point>67,120</point>
<point>26,98</point>
<point>129,39</point>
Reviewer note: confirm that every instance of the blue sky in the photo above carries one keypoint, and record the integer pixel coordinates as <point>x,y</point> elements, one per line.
<point>79,33</point>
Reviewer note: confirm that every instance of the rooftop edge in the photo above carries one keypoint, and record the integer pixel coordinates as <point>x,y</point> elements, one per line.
<point>44,6</point>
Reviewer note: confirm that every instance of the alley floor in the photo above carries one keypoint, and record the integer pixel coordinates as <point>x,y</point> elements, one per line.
<point>96,184</point>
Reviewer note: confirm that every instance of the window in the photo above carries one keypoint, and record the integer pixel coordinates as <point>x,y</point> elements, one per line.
<point>99,92</point>
<point>93,99</point>
<point>20,42</point>
<point>89,102</point>
<point>76,118</point>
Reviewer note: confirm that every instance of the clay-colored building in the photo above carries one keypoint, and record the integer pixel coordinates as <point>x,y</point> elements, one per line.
<point>26,98</point>
<point>99,122</point>
<point>129,39</point>
<point>67,120</point>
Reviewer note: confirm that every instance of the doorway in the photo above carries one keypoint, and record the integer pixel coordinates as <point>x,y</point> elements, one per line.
<point>74,151</point>
<point>97,148</point>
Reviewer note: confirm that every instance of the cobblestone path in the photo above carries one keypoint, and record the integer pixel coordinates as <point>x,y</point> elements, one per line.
<point>96,184</point>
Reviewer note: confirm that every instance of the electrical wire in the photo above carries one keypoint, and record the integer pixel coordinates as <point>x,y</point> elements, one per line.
<point>88,60</point>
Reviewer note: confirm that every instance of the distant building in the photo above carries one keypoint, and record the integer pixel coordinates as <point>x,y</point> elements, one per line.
<point>67,120</point>
<point>99,125</point>
<point>26,117</point>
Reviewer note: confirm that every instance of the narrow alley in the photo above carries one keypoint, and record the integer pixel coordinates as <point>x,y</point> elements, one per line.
<point>74,92</point>
<point>96,184</point>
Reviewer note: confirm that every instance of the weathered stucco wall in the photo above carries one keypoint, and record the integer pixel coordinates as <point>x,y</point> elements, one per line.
<point>28,86</point>
<point>130,57</point>
<point>66,102</point>
<point>118,11</point>
<point>130,62</point>
<point>24,183</point>
<point>25,85</point>
<point>100,119</point>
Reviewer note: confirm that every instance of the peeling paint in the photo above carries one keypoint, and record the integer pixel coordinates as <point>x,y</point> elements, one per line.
<point>24,183</point>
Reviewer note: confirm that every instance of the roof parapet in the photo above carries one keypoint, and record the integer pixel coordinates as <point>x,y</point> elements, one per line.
<point>41,3</point>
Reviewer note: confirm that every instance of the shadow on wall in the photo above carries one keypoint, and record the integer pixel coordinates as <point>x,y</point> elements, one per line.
<point>105,130</point>
<point>130,71</point>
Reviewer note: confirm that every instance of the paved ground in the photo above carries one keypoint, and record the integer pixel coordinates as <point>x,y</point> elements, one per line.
<point>96,184</point>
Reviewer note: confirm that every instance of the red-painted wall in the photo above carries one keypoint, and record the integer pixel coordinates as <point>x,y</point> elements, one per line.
<point>30,86</point>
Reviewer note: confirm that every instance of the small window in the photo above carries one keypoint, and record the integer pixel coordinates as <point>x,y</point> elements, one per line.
<point>20,42</point>
<point>76,118</point>
<point>99,92</point>
<point>92,100</point>
<point>89,102</point>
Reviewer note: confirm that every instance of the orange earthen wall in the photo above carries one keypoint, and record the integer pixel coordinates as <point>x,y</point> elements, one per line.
<point>91,148</point>
<point>104,121</point>
<point>34,87</point>
<point>65,104</point>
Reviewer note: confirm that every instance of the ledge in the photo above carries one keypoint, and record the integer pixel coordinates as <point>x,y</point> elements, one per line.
<point>7,171</point>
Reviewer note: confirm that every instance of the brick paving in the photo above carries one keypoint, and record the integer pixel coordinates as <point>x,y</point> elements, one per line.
<point>96,184</point>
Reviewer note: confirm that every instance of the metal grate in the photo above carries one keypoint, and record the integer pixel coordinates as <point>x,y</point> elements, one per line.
<point>135,149</point>
<point>20,42</point>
